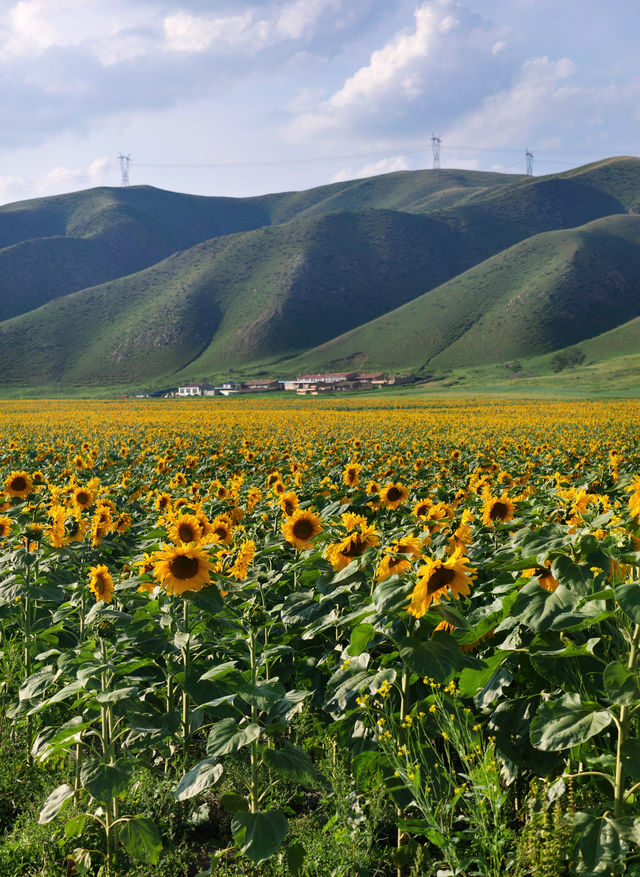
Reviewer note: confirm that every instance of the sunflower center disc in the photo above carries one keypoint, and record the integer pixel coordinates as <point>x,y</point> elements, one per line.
<point>183,567</point>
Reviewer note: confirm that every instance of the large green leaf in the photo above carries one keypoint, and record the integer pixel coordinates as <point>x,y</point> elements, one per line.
<point>361,636</point>
<point>205,774</point>
<point>541,610</point>
<point>621,684</point>
<point>567,721</point>
<point>292,763</point>
<point>259,835</point>
<point>141,839</point>
<point>225,737</point>
<point>628,598</point>
<point>601,845</point>
<point>439,657</point>
<point>105,781</point>
<point>54,803</point>
<point>630,752</point>
<point>262,695</point>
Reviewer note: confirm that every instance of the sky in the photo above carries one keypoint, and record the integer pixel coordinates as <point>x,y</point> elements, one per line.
<point>239,98</point>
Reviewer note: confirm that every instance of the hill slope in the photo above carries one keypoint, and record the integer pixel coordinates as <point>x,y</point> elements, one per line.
<point>548,292</point>
<point>410,270</point>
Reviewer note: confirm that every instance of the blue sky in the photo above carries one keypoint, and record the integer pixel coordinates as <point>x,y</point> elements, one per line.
<point>231,97</point>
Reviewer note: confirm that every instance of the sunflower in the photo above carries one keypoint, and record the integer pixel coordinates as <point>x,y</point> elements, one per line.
<point>222,527</point>
<point>289,502</point>
<point>185,528</point>
<point>240,567</point>
<point>83,498</point>
<point>354,544</point>
<point>101,583</point>
<point>19,484</point>
<point>5,528</point>
<point>438,579</point>
<point>393,495</point>
<point>181,568</point>
<point>300,528</point>
<point>56,531</point>
<point>497,509</point>
<point>162,502</point>
<point>396,557</point>
<point>351,474</point>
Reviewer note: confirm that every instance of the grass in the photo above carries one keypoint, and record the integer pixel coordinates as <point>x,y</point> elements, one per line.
<point>411,271</point>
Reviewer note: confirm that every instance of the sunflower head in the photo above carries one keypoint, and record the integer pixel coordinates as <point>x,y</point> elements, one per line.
<point>83,498</point>
<point>181,568</point>
<point>497,509</point>
<point>440,579</point>
<point>185,528</point>
<point>301,528</point>
<point>393,495</point>
<point>19,484</point>
<point>101,583</point>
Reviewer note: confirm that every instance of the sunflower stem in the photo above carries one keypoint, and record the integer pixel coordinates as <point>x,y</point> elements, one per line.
<point>623,725</point>
<point>254,797</point>
<point>186,655</point>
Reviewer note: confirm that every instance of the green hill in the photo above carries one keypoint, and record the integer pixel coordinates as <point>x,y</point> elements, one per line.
<point>411,271</point>
<point>548,292</point>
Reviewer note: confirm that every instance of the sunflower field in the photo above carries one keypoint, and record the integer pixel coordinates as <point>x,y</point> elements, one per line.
<point>316,637</point>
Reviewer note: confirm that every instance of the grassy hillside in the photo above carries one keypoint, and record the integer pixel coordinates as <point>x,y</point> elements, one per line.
<point>549,291</point>
<point>257,296</point>
<point>415,271</point>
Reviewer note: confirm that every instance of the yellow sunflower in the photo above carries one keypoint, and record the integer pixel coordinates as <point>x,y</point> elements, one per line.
<point>185,528</point>
<point>289,502</point>
<point>83,498</point>
<point>101,583</point>
<point>396,558</point>
<point>497,509</point>
<point>351,474</point>
<point>393,495</point>
<point>181,568</point>
<point>354,544</point>
<point>438,579</point>
<point>301,528</point>
<point>56,531</point>
<point>222,527</point>
<point>5,528</point>
<point>19,484</point>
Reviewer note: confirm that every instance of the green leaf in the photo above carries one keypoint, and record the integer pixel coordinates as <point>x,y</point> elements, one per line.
<point>628,598</point>
<point>233,803</point>
<point>208,599</point>
<point>621,684</point>
<point>204,775</point>
<point>259,835</point>
<point>452,616</point>
<point>141,839</point>
<point>392,594</point>
<point>225,737</point>
<point>295,857</point>
<point>54,803</point>
<point>291,762</point>
<point>264,695</point>
<point>567,721</point>
<point>541,610</point>
<point>439,657</point>
<point>105,781</point>
<point>630,752</point>
<point>361,636</point>
<point>601,845</point>
<point>73,827</point>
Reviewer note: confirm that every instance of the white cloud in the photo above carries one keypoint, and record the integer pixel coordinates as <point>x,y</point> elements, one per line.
<point>185,32</point>
<point>430,69</point>
<point>512,115</point>
<point>383,166</point>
